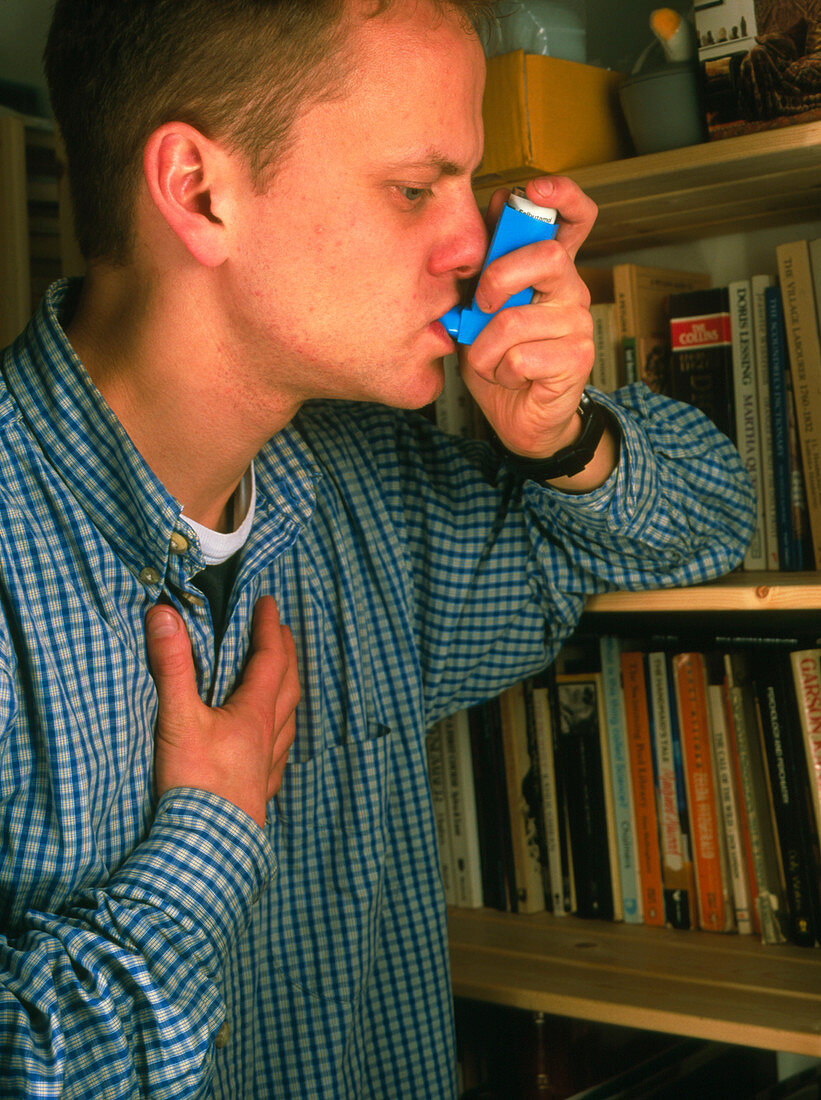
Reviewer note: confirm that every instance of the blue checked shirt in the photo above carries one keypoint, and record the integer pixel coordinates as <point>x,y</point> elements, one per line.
<point>176,949</point>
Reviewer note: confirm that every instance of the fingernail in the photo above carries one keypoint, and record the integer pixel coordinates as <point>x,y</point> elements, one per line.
<point>543,186</point>
<point>162,624</point>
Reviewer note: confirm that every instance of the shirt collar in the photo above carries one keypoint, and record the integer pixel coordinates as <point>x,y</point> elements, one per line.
<point>85,442</point>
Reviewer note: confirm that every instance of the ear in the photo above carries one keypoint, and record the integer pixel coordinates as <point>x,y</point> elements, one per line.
<point>188,178</point>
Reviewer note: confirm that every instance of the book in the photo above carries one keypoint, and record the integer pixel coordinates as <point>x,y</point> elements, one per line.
<point>521,782</point>
<point>804,346</point>
<point>806,665</point>
<point>622,787</point>
<point>581,715</point>
<point>759,285</point>
<point>636,711</point>
<point>701,363</point>
<point>789,786</point>
<point>642,295</point>
<point>461,802</point>
<point>729,797</point>
<point>545,726</point>
<point>768,888</point>
<point>606,372</point>
<point>815,266</point>
<point>779,422</point>
<point>674,831</point>
<point>759,63</point>
<point>491,798</point>
<point>747,424</point>
<point>715,913</point>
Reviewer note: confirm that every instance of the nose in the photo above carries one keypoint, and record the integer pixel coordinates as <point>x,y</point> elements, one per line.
<point>462,244</point>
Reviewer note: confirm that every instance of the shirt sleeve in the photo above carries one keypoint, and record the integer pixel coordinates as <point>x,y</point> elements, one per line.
<point>117,996</point>
<point>502,567</point>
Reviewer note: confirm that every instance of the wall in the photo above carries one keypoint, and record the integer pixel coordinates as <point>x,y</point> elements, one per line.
<point>23,29</point>
<point>616,34</point>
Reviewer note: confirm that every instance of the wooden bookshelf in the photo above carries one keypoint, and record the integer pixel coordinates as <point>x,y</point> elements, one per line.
<point>704,985</point>
<point>728,988</point>
<point>738,592</point>
<point>734,185</point>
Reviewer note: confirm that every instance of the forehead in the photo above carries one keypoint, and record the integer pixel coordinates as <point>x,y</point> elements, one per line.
<point>416,82</point>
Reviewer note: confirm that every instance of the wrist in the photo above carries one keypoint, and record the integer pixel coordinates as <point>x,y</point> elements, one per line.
<point>571,459</point>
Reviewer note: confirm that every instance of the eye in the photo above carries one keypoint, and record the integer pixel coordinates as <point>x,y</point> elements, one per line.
<point>413,196</point>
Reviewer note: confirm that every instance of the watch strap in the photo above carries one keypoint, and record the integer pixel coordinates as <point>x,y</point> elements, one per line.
<point>569,460</point>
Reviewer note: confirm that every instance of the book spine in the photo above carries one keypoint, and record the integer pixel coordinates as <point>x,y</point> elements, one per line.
<point>676,865</point>
<point>641,774</point>
<point>579,700</point>
<point>786,774</point>
<point>714,913</point>
<point>801,321</point>
<point>780,428</point>
<point>609,652</point>
<point>748,431</point>
<point>769,892</point>
<point>701,360</point>
<point>744,825</point>
<point>530,892</point>
<point>467,864</point>
<point>605,374</point>
<point>806,665</point>
<point>728,796</point>
<point>491,819</point>
<point>759,285</point>
<point>545,728</point>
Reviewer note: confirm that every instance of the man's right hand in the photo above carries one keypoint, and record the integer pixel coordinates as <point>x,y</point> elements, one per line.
<point>238,750</point>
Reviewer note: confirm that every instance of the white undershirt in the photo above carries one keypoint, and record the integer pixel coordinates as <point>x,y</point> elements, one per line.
<point>217,546</point>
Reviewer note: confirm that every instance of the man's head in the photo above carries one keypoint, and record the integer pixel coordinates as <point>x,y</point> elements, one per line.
<point>239,71</point>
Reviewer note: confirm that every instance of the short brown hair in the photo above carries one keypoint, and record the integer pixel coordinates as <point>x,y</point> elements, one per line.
<point>237,70</point>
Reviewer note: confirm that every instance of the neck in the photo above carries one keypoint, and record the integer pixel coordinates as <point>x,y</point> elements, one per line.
<point>160,360</point>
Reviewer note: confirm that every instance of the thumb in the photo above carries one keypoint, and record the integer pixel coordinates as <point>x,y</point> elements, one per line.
<point>172,666</point>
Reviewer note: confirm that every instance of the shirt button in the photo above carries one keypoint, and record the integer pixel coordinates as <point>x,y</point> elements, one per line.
<point>178,543</point>
<point>223,1036</point>
<point>192,600</point>
<point>149,575</point>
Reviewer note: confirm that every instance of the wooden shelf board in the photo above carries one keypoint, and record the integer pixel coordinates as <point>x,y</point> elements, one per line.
<point>732,185</point>
<point>737,592</point>
<point>729,988</point>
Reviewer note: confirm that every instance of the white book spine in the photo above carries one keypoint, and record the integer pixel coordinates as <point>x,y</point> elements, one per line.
<point>748,432</point>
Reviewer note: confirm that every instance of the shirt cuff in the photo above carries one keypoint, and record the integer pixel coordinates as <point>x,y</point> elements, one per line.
<point>204,863</point>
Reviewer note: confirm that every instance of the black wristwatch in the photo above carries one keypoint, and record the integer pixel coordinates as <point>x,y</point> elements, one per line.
<point>569,460</point>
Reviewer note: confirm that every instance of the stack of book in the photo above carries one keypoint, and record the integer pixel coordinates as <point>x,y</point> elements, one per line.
<point>662,786</point>
<point>748,355</point>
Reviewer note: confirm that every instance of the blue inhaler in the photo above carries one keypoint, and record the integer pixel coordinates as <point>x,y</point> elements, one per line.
<point>521,222</point>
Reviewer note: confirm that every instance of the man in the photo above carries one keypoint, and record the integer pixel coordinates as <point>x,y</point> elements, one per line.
<point>275,202</point>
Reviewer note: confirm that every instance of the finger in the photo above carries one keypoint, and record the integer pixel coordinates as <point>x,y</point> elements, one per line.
<point>267,661</point>
<point>564,372</point>
<point>577,211</point>
<point>553,333</point>
<point>172,665</point>
<point>543,265</point>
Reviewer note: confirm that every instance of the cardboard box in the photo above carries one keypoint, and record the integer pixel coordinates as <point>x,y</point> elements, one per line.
<point>544,114</point>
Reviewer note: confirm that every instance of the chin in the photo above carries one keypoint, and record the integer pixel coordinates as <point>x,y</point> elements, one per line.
<point>423,389</point>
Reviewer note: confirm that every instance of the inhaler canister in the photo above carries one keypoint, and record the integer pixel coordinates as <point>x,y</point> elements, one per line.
<point>521,222</point>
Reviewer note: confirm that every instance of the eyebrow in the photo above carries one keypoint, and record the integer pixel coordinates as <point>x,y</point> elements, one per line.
<point>444,164</point>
